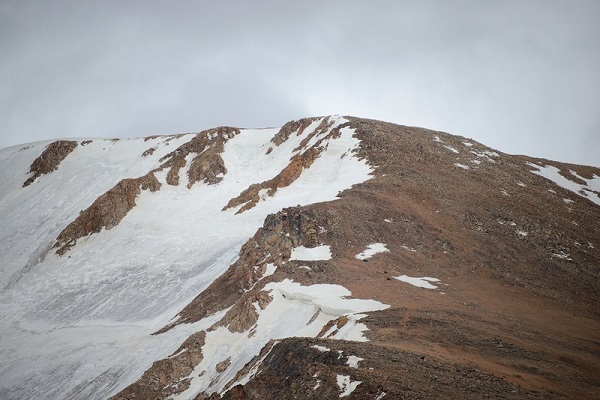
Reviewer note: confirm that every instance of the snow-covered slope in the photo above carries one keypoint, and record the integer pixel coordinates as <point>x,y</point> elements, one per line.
<point>80,324</point>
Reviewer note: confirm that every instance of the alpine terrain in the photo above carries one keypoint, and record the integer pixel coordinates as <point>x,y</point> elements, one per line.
<point>334,257</point>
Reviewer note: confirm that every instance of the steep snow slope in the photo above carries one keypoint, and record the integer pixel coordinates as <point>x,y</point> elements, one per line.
<point>80,324</point>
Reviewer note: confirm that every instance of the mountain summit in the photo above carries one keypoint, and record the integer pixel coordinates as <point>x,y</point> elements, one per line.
<point>332,257</point>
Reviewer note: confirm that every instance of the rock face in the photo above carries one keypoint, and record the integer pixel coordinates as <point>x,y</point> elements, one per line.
<point>207,165</point>
<point>451,271</point>
<point>166,377</point>
<point>106,212</point>
<point>50,159</point>
<point>310,369</point>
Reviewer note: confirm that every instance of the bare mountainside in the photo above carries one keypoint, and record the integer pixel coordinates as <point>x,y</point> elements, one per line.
<point>334,257</point>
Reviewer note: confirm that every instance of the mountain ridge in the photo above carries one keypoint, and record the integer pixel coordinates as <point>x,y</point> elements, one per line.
<point>472,220</point>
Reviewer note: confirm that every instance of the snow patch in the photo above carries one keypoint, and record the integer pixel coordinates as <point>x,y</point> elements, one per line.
<point>452,149</point>
<point>419,282</point>
<point>371,250</point>
<point>322,349</point>
<point>486,155</point>
<point>270,270</point>
<point>302,253</point>
<point>327,298</point>
<point>461,166</point>
<point>263,194</point>
<point>353,361</point>
<point>562,255</point>
<point>590,190</point>
<point>347,386</point>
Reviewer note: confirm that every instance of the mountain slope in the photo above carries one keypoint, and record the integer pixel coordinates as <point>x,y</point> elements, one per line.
<point>185,266</point>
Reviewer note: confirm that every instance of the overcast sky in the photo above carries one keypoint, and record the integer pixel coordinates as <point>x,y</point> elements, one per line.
<point>520,76</point>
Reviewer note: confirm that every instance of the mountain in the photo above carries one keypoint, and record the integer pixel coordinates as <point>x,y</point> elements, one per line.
<point>332,257</point>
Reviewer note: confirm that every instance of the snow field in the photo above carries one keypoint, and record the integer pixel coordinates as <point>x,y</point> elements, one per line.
<point>79,325</point>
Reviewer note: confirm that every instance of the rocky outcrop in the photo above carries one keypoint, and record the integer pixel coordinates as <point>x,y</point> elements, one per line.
<point>323,127</point>
<point>168,376</point>
<point>207,165</point>
<point>174,166</point>
<point>286,130</point>
<point>338,323</point>
<point>149,152</point>
<point>50,159</point>
<point>243,315</point>
<point>106,211</point>
<point>298,368</point>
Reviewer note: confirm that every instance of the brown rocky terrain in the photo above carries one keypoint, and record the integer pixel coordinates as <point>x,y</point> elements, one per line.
<point>106,211</point>
<point>309,369</point>
<point>516,311</point>
<point>50,159</point>
<point>207,164</point>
